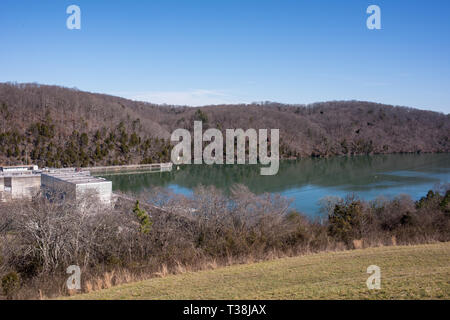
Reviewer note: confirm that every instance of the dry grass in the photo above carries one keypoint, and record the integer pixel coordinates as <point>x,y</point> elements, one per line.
<point>407,272</point>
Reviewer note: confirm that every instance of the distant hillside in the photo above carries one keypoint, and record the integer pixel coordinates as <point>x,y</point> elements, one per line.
<point>57,126</point>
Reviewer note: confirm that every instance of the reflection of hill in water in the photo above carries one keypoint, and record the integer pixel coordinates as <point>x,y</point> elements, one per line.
<point>354,173</point>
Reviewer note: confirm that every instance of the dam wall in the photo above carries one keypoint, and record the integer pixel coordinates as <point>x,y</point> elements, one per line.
<point>77,185</point>
<point>22,186</point>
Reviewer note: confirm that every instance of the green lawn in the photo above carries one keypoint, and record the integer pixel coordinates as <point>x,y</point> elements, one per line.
<point>407,272</point>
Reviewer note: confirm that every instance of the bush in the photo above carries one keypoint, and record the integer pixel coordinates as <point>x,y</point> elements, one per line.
<point>10,284</point>
<point>345,223</point>
<point>201,116</point>
<point>445,203</point>
<point>143,217</point>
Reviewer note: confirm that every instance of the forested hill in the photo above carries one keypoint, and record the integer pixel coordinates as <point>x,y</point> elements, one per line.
<point>56,126</point>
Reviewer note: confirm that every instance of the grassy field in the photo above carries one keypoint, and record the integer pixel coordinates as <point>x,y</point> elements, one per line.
<point>407,272</point>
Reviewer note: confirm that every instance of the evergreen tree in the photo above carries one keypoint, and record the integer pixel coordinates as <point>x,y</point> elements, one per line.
<point>143,217</point>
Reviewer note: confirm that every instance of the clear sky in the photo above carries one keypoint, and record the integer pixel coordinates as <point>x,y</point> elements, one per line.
<point>228,51</point>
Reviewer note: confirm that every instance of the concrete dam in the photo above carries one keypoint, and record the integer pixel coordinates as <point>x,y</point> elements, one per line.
<point>24,182</point>
<point>19,182</point>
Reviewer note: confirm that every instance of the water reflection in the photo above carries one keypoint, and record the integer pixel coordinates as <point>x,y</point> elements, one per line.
<point>308,180</point>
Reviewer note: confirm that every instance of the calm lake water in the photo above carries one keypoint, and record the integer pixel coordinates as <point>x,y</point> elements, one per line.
<point>307,181</point>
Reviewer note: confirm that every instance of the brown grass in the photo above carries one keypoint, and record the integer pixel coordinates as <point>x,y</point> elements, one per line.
<point>408,272</point>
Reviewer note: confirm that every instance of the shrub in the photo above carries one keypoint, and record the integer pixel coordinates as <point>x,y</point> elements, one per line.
<point>201,116</point>
<point>10,284</point>
<point>143,217</point>
<point>445,203</point>
<point>345,223</point>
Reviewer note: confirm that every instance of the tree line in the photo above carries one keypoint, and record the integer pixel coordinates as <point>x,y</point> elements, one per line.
<point>58,126</point>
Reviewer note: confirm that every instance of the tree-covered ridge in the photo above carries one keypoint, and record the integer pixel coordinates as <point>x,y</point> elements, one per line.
<point>42,145</point>
<point>58,126</point>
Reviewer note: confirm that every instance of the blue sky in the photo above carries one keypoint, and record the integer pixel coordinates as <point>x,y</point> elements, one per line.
<point>228,51</point>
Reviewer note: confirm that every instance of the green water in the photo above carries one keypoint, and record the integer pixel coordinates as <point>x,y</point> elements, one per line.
<point>307,181</point>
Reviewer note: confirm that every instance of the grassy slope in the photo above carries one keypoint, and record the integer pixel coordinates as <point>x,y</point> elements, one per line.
<point>407,272</point>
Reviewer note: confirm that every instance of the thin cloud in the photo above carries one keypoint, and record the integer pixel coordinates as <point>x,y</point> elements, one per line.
<point>197,97</point>
<point>376,84</point>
